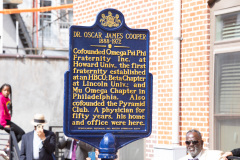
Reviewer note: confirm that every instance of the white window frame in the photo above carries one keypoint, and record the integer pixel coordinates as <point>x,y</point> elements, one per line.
<point>219,47</point>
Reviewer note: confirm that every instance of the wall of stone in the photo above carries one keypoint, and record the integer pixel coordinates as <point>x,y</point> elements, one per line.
<point>37,86</point>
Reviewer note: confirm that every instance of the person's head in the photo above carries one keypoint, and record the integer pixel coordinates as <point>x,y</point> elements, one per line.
<point>38,120</point>
<point>6,90</point>
<point>194,142</point>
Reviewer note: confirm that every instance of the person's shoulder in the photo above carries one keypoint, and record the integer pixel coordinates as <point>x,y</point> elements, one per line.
<point>27,134</point>
<point>2,97</point>
<point>213,153</point>
<point>184,158</point>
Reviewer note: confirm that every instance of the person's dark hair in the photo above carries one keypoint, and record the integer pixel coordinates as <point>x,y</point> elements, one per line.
<point>196,131</point>
<point>8,85</point>
<point>10,105</point>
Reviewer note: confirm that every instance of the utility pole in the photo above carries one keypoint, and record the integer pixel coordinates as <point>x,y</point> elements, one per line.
<point>1,27</point>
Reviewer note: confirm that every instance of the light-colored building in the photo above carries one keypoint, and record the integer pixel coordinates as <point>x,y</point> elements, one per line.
<point>41,33</point>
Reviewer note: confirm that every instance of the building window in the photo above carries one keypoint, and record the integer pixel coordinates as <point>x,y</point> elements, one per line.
<point>66,16</point>
<point>227,82</point>
<point>45,16</point>
<point>45,19</point>
<point>54,26</point>
<point>228,26</point>
<point>226,68</point>
<point>227,100</point>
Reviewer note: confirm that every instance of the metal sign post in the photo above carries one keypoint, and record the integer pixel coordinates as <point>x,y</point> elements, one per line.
<point>108,88</point>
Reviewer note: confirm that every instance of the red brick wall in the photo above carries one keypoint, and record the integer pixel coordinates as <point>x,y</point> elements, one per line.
<point>195,56</point>
<point>157,16</point>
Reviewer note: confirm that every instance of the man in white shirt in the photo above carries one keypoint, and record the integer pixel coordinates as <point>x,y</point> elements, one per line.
<point>194,144</point>
<point>38,144</point>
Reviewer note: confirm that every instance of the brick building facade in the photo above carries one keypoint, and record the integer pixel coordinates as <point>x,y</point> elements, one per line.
<point>196,87</point>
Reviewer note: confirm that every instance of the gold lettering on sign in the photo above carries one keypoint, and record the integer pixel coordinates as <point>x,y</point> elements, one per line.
<point>109,78</point>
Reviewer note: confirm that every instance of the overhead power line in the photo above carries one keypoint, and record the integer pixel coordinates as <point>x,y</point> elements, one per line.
<point>41,9</point>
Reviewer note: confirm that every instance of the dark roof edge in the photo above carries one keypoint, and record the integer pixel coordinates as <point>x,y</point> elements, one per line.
<point>17,56</point>
<point>211,2</point>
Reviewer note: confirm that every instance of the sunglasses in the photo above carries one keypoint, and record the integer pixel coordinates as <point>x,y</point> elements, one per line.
<point>193,142</point>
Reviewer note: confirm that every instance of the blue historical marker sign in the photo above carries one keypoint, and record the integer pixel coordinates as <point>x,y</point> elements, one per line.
<point>108,88</point>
